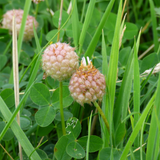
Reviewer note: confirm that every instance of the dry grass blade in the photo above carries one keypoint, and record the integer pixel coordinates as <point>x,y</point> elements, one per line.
<point>40,142</point>
<point>148,50</point>
<point>137,149</point>
<point>123,8</point>
<point>69,7</point>
<point>16,75</point>
<point>60,19</point>
<point>7,152</point>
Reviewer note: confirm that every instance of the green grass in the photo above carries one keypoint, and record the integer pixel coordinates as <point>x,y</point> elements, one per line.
<point>129,126</point>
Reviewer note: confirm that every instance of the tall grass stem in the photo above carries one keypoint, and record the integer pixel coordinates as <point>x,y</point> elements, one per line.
<point>60,20</point>
<point>16,76</point>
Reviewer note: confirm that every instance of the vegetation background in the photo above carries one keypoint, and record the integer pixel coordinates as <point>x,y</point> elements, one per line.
<point>122,39</point>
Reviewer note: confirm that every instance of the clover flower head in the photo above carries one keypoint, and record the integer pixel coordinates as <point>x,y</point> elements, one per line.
<point>60,61</point>
<point>87,84</point>
<point>8,18</point>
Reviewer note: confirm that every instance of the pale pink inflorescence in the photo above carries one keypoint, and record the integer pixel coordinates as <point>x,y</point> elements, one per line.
<point>7,23</point>
<point>37,1</point>
<point>59,61</point>
<point>87,84</point>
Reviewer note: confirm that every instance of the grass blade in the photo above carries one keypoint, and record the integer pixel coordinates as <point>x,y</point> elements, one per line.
<point>122,101</point>
<point>98,32</point>
<point>86,24</point>
<point>154,25</point>
<point>75,24</point>
<point>31,80</point>
<point>89,134</point>
<point>136,92</point>
<point>141,142</point>
<point>113,65</point>
<point>11,118</point>
<point>30,83</point>
<point>20,38</point>
<point>28,148</point>
<point>83,11</point>
<point>137,128</point>
<point>105,134</point>
<point>153,138</point>
<point>104,57</point>
<point>23,23</point>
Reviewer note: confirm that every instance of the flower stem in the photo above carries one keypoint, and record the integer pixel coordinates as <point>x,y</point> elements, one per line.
<point>61,107</point>
<point>37,6</point>
<point>102,115</point>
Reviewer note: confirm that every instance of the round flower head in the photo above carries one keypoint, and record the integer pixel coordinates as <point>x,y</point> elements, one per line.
<point>87,84</point>
<point>7,23</point>
<point>37,1</point>
<point>59,61</point>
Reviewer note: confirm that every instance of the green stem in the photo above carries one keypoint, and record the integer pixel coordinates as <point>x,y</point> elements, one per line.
<point>36,136</point>
<point>8,46</point>
<point>83,11</point>
<point>37,6</point>
<point>61,107</point>
<point>13,147</point>
<point>89,134</point>
<point>6,146</point>
<point>47,3</point>
<point>102,115</point>
<point>135,10</point>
